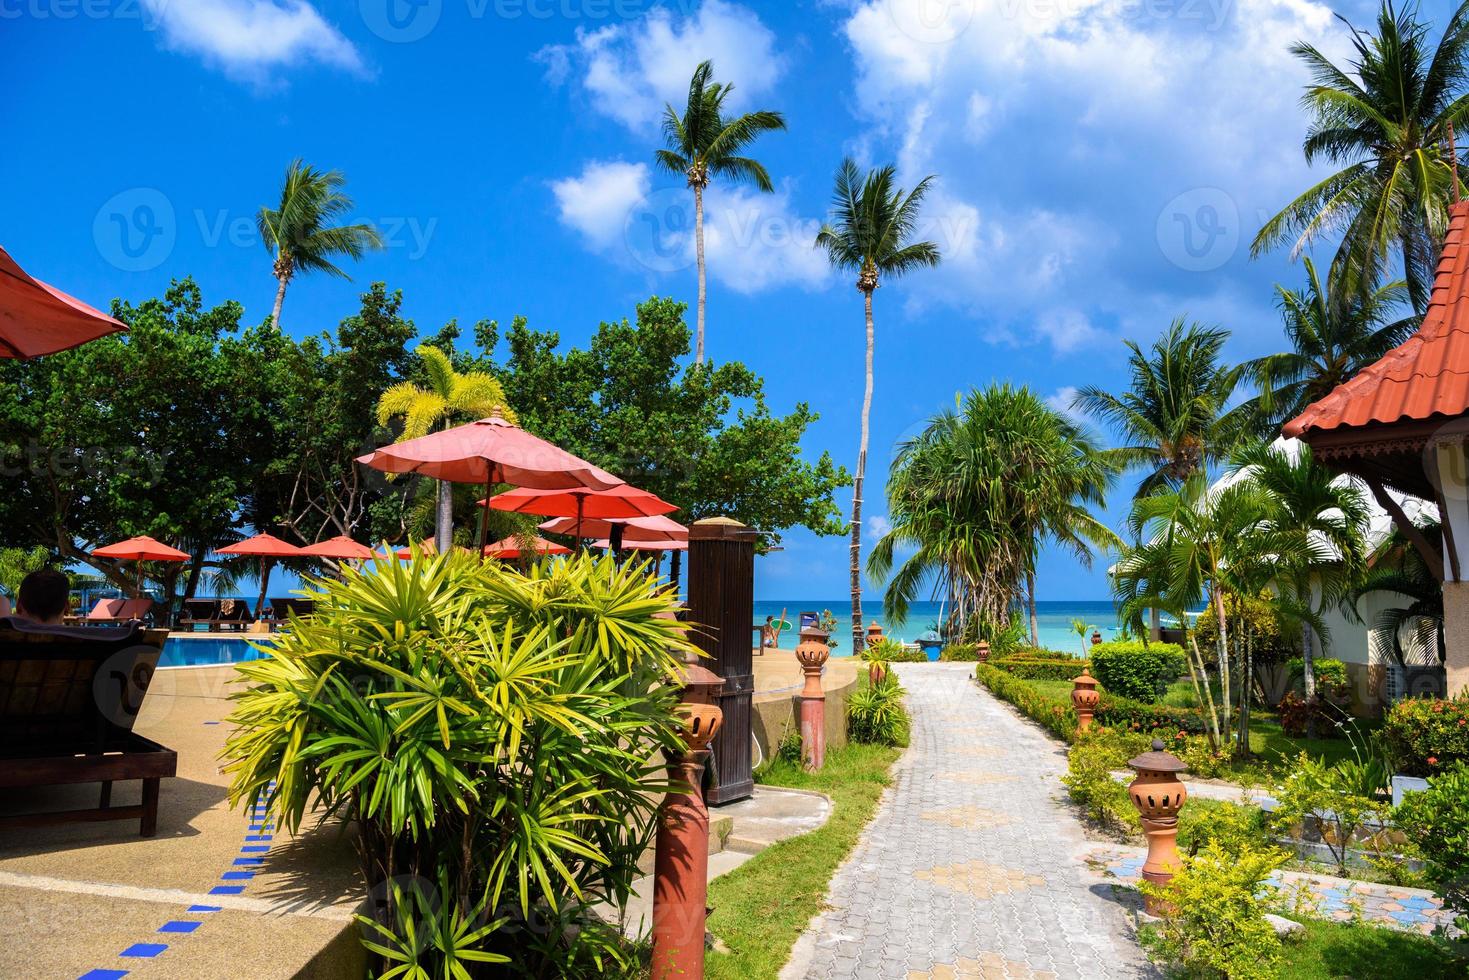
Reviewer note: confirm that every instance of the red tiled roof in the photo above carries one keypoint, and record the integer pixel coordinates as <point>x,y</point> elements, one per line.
<point>1427,375</point>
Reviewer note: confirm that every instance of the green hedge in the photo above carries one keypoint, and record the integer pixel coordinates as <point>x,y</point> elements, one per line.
<point>1112,711</point>
<point>1040,668</point>
<point>1425,736</point>
<point>1059,718</point>
<point>1131,669</point>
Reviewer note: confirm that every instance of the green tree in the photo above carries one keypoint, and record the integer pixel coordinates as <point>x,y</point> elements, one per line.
<point>871,233</point>
<point>702,144</point>
<point>1386,119</point>
<point>299,230</point>
<point>699,436</point>
<point>1334,332</point>
<point>1175,418</point>
<point>448,398</point>
<point>16,564</point>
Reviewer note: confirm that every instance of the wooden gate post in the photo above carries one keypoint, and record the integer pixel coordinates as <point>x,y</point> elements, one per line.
<point>721,590</point>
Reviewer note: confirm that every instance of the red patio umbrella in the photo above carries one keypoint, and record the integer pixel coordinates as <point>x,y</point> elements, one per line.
<point>36,318</point>
<point>340,547</point>
<point>658,528</point>
<point>425,547</point>
<point>266,547</point>
<point>638,544</point>
<point>490,451</point>
<point>619,502</point>
<point>511,548</point>
<point>140,549</point>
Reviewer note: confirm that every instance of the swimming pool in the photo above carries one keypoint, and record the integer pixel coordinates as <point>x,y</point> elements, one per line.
<point>205,650</point>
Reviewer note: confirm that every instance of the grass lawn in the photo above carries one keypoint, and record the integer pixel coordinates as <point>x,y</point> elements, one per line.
<point>1363,951</point>
<point>763,905</point>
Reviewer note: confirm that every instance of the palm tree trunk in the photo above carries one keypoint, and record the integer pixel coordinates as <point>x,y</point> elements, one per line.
<point>1035,623</point>
<point>699,255</point>
<point>444,519</point>
<point>1308,661</point>
<point>280,299</point>
<point>857,634</point>
<point>1223,656</point>
<point>265,566</point>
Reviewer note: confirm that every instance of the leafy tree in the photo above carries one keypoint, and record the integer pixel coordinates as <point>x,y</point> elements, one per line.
<point>871,232</point>
<point>703,144</point>
<point>449,398</point>
<point>1334,332</point>
<point>1386,120</point>
<point>701,436</point>
<point>1175,418</point>
<point>16,564</point>
<point>299,231</point>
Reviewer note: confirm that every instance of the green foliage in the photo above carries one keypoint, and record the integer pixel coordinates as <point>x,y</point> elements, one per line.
<point>1029,667</point>
<point>494,731</point>
<point>1233,826</point>
<point>1135,670</point>
<point>875,713</point>
<point>1140,717</point>
<point>699,436</point>
<point>1259,617</point>
<point>1436,821</point>
<point>960,653</point>
<point>1202,758</point>
<point>889,650</point>
<point>1215,924</point>
<point>1333,802</point>
<point>16,564</point>
<point>1089,780</point>
<point>1331,675</point>
<point>1423,736</point>
<point>789,748</point>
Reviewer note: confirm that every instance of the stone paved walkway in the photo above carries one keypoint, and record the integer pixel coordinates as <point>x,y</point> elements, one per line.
<point>973,866</point>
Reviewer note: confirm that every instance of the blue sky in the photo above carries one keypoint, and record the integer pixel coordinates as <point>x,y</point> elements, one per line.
<point>1102,167</point>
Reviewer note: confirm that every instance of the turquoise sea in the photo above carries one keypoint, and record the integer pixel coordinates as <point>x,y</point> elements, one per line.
<point>1055,619</point>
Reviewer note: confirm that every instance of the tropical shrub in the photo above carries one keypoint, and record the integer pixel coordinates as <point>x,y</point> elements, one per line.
<point>1135,670</point>
<point>1112,712</point>
<point>494,737</point>
<point>1437,822</point>
<point>889,650</point>
<point>1202,758</point>
<point>1336,802</point>
<point>1332,679</point>
<point>1259,619</point>
<point>1036,668</point>
<point>875,713</point>
<point>1231,825</point>
<point>1136,716</point>
<point>960,653</point>
<point>1215,922</point>
<point>1424,736</point>
<point>1298,716</point>
<point>1090,764</point>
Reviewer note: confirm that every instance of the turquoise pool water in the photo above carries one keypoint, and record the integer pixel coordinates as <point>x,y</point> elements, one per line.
<point>205,650</point>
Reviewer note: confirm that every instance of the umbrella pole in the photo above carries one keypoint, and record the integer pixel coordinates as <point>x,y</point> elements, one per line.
<point>614,538</point>
<point>484,520</point>
<point>140,579</point>
<point>673,565</point>
<point>265,568</point>
<point>579,538</point>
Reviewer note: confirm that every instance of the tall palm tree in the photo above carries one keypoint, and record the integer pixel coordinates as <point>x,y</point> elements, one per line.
<point>1175,418</point>
<point>703,144</point>
<point>1386,120</point>
<point>300,234</point>
<point>1334,332</point>
<point>449,397</point>
<point>871,234</point>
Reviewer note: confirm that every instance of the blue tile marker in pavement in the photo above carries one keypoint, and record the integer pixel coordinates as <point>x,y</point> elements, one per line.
<point>226,889</point>
<point>179,926</point>
<point>103,975</point>
<point>202,908</point>
<point>145,950</point>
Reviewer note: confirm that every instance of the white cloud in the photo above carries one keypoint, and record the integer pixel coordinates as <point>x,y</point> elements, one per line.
<point>597,203</point>
<point>248,38</point>
<point>754,241</point>
<point>630,71</point>
<point>1060,400</point>
<point>878,525</point>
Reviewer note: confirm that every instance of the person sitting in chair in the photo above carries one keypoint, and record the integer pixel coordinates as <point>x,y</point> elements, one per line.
<point>43,597</point>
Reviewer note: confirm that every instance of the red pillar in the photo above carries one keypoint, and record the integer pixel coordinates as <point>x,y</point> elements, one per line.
<point>681,856</point>
<point>812,652</point>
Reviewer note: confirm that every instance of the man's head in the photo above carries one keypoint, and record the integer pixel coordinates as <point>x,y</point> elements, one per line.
<point>43,596</point>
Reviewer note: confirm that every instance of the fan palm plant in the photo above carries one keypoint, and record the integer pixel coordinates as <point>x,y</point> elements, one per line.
<point>871,234</point>
<point>1399,569</point>
<point>299,231</point>
<point>1386,119</point>
<point>449,396</point>
<point>1334,332</point>
<point>704,144</point>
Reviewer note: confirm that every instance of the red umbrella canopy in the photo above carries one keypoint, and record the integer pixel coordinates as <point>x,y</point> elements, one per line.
<point>642,544</point>
<point>37,319</point>
<point>491,450</point>
<point>644,529</point>
<point>340,547</point>
<point>141,548</point>
<point>617,502</point>
<point>512,548</point>
<point>263,546</point>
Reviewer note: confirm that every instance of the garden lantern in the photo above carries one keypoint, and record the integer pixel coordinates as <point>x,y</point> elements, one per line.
<point>1096,638</point>
<point>1084,698</point>
<point>681,854</point>
<point>874,632</point>
<point>983,650</point>
<point>1158,794</point>
<point>700,684</point>
<point>812,652</point>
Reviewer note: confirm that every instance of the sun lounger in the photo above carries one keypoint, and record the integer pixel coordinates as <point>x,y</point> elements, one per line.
<point>105,612</point>
<point>68,700</point>
<point>233,615</point>
<point>278,612</point>
<point>198,612</point>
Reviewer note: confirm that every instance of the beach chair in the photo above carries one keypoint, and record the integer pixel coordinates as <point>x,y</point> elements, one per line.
<point>106,612</point>
<point>197,612</point>
<point>68,700</point>
<point>278,612</point>
<point>233,615</point>
<point>136,610</point>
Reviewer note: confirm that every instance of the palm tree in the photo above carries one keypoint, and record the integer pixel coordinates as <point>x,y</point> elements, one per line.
<point>449,396</point>
<point>297,231</point>
<point>1399,569</point>
<point>1387,120</point>
<point>1334,332</point>
<point>703,144</point>
<point>874,224</point>
<point>975,494</point>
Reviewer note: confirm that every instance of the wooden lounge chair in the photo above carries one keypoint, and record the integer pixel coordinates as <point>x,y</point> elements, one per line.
<point>105,613</point>
<point>278,612</point>
<point>234,615</point>
<point>68,700</point>
<point>198,612</point>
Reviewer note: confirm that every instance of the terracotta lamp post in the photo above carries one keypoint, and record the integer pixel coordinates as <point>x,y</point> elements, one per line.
<point>983,648</point>
<point>1084,698</point>
<point>1096,638</point>
<point>813,652</point>
<point>874,632</point>
<point>1159,794</point>
<point>681,856</point>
